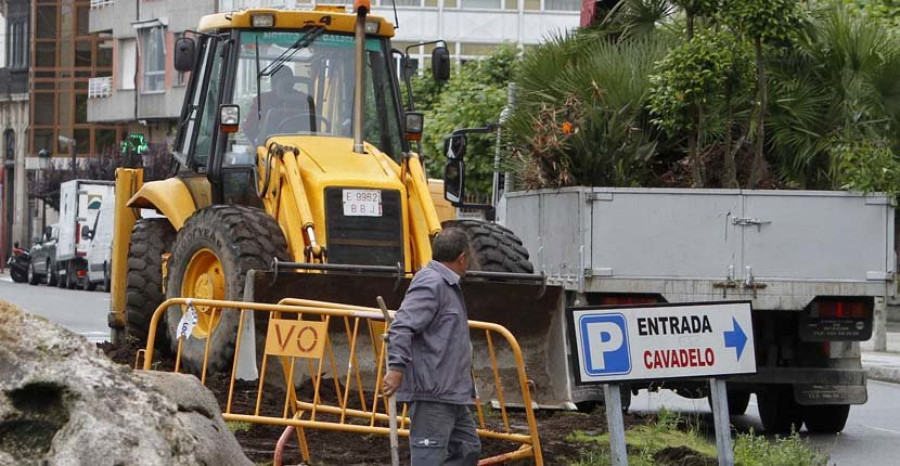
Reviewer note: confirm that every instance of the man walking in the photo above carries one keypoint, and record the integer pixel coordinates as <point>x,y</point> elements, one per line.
<point>430,359</point>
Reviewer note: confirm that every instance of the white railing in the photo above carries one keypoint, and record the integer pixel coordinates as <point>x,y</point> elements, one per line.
<point>101,3</point>
<point>99,87</point>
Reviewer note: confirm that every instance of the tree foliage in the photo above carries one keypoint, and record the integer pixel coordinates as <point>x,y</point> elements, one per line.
<point>774,94</point>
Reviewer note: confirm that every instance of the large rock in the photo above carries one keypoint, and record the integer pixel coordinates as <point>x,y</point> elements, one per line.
<point>62,402</point>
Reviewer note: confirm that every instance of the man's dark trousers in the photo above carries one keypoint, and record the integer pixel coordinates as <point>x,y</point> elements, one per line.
<point>442,434</point>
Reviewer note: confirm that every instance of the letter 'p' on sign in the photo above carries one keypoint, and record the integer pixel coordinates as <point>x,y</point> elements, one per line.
<point>605,344</point>
<point>296,338</point>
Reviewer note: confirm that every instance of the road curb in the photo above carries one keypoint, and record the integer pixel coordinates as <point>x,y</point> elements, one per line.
<point>882,373</point>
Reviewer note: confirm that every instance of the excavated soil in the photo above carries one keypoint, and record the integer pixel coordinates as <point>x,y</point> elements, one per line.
<point>345,449</point>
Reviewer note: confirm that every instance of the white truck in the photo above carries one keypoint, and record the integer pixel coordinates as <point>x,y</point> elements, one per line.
<point>79,202</point>
<point>813,264</point>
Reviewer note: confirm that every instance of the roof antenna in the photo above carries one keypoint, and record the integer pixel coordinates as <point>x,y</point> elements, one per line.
<point>396,18</point>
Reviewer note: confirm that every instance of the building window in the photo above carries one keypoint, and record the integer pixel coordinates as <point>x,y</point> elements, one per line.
<point>482,4</point>
<point>9,144</point>
<point>127,64</point>
<point>562,5</point>
<point>153,62</point>
<point>17,48</point>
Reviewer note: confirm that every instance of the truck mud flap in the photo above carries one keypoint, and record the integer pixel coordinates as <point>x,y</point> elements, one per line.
<point>532,312</point>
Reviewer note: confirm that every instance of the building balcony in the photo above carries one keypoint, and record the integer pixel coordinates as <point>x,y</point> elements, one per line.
<point>13,81</point>
<point>117,105</point>
<point>109,105</point>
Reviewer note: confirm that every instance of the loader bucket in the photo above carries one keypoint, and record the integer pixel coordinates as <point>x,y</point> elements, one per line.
<point>532,312</point>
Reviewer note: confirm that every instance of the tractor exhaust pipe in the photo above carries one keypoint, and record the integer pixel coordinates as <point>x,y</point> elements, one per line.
<point>362,8</point>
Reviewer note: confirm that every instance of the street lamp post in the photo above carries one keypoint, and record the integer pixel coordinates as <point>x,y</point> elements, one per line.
<point>43,164</point>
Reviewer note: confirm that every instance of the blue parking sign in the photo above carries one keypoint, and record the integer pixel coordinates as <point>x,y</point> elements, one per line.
<point>605,344</point>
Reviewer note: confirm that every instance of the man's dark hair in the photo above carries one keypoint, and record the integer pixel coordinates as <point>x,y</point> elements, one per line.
<point>449,244</point>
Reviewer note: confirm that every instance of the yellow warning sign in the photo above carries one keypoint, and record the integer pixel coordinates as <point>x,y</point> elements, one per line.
<point>297,338</point>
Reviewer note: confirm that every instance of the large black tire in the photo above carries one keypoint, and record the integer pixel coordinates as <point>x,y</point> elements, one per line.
<point>243,239</point>
<point>496,248</point>
<point>33,278</point>
<point>88,284</point>
<point>779,412</point>
<point>825,419</point>
<point>150,239</point>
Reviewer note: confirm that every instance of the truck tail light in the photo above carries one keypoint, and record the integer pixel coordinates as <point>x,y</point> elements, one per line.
<point>77,233</point>
<point>833,309</point>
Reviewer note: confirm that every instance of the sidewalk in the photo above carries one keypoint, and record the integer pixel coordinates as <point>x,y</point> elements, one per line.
<point>883,365</point>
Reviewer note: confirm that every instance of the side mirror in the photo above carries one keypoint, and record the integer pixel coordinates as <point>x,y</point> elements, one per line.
<point>48,232</point>
<point>455,181</point>
<point>229,118</point>
<point>86,233</point>
<point>455,147</point>
<point>414,125</point>
<point>184,54</point>
<point>440,64</point>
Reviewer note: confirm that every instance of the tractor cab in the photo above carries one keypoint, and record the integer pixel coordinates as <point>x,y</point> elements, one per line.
<point>257,75</point>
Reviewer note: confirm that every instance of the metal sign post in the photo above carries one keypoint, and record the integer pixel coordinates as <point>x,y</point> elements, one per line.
<point>615,422</point>
<point>721,421</point>
<point>655,343</point>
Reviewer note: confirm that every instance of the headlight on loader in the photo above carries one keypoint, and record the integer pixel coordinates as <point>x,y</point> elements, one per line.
<point>229,118</point>
<point>262,21</point>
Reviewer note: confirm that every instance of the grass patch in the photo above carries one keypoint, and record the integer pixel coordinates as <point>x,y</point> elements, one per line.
<point>669,441</point>
<point>238,426</point>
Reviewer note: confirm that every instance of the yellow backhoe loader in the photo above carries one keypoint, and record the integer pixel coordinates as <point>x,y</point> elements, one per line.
<point>293,177</point>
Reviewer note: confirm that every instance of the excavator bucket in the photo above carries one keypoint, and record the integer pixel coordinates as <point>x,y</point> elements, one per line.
<point>532,311</point>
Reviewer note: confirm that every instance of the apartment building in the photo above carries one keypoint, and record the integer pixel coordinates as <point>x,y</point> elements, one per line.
<point>14,60</point>
<point>471,28</point>
<point>141,90</point>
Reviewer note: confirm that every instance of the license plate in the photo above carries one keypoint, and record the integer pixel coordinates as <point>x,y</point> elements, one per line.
<point>362,203</point>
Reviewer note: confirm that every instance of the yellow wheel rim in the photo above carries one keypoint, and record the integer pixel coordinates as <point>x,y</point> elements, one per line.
<point>204,279</point>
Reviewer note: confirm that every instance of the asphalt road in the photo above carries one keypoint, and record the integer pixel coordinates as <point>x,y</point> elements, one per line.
<point>872,435</point>
<point>83,312</point>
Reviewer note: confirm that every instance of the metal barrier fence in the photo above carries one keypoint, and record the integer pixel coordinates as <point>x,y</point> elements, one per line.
<point>313,333</point>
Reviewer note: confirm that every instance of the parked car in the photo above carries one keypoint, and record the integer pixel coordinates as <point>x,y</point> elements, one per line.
<point>43,258</point>
<point>100,235</point>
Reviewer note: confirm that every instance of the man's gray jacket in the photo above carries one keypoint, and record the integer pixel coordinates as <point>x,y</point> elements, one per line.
<point>429,340</point>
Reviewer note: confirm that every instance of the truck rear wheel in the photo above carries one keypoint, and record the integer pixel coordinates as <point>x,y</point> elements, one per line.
<point>738,400</point>
<point>496,248</point>
<point>150,239</point>
<point>825,419</point>
<point>779,412</point>
<point>210,259</point>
